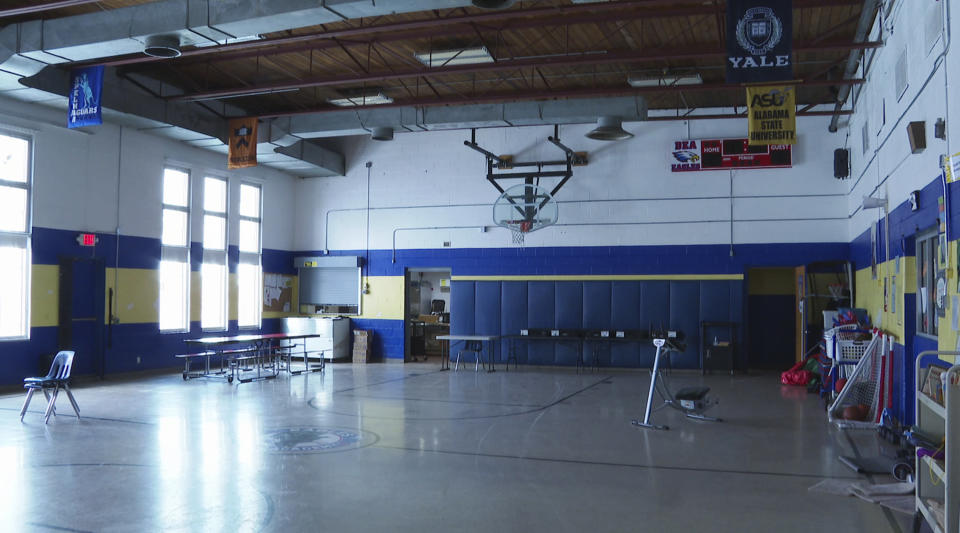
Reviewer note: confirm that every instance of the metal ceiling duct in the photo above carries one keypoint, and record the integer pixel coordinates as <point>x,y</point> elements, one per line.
<point>382,134</point>
<point>162,46</point>
<point>492,4</point>
<point>609,128</point>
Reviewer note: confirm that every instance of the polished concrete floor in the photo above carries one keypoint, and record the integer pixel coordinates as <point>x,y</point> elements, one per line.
<point>388,447</point>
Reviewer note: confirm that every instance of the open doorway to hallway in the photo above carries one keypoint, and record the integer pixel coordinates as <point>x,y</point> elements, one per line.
<point>426,312</point>
<point>771,318</point>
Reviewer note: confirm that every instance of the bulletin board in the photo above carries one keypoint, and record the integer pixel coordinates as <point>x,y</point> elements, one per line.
<point>278,292</point>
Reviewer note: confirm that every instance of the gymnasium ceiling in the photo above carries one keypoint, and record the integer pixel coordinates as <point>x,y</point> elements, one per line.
<point>539,51</point>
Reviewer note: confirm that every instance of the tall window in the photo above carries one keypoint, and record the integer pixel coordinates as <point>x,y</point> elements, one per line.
<point>15,192</point>
<point>249,275</point>
<point>213,272</point>
<point>175,254</point>
<point>928,257</point>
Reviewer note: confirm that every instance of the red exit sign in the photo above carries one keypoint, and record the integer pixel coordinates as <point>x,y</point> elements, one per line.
<point>87,239</point>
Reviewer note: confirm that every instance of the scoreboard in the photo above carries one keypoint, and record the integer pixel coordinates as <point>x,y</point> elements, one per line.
<point>724,154</point>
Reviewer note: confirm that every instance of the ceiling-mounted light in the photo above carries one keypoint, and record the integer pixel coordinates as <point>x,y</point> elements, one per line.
<point>162,46</point>
<point>609,128</point>
<point>382,134</point>
<point>364,97</point>
<point>666,80</point>
<point>492,4</point>
<point>869,202</point>
<point>458,56</point>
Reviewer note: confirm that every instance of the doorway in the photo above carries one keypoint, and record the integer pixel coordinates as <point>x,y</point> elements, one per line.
<point>426,312</point>
<point>771,318</point>
<point>81,313</point>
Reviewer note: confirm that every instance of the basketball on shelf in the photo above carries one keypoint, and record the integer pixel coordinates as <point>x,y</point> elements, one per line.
<point>524,208</point>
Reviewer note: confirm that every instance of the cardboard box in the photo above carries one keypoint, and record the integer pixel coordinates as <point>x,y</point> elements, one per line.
<point>429,319</point>
<point>361,345</point>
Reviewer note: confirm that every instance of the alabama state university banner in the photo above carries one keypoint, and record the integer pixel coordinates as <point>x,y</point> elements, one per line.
<point>243,143</point>
<point>771,112</point>
<point>759,40</point>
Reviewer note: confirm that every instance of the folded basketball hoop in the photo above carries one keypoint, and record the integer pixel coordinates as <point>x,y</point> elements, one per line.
<point>524,208</point>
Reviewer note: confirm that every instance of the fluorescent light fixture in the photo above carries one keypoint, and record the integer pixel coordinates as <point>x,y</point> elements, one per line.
<point>665,80</point>
<point>370,97</point>
<point>460,56</point>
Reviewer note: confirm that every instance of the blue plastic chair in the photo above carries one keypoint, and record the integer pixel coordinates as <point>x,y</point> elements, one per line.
<point>57,378</point>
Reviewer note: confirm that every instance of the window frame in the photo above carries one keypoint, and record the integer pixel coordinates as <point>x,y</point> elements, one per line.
<point>216,256</point>
<point>926,250</point>
<point>179,254</point>
<point>24,239</point>
<point>251,258</point>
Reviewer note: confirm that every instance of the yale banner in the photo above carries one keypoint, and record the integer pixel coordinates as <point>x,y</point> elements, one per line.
<point>243,143</point>
<point>83,103</point>
<point>771,113</point>
<point>759,40</point>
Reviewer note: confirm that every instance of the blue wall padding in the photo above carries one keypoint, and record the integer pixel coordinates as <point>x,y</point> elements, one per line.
<point>513,315</point>
<point>624,304</point>
<point>596,304</point>
<point>654,305</point>
<point>487,316</point>
<point>685,316</point>
<point>541,313</point>
<point>506,307</point>
<point>463,299</point>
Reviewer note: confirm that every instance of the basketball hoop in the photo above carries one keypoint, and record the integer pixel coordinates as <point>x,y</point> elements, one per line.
<point>524,208</point>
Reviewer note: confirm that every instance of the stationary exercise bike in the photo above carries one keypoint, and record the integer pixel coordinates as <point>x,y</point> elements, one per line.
<point>691,401</point>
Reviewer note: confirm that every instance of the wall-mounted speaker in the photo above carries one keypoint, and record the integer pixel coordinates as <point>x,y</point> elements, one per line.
<point>841,163</point>
<point>917,133</point>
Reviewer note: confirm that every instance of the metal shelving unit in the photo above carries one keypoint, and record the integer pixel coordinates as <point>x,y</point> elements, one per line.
<point>933,479</point>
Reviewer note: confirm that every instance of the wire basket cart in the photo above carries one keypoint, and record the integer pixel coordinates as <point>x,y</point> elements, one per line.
<point>845,347</point>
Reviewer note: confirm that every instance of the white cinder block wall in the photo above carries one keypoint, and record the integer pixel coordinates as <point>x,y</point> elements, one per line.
<point>431,179</point>
<point>883,166</point>
<point>75,178</point>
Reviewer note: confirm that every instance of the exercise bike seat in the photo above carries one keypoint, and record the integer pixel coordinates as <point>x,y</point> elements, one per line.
<point>692,393</point>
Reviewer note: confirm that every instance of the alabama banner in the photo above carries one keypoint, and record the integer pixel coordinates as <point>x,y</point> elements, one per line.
<point>83,102</point>
<point>771,113</point>
<point>759,40</point>
<point>243,143</point>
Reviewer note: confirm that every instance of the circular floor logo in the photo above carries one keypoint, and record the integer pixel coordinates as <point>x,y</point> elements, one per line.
<point>314,439</point>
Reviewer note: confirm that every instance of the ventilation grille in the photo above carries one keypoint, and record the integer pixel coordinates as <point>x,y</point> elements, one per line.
<point>901,74</point>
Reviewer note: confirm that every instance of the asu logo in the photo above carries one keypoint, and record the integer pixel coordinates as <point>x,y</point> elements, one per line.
<point>772,98</point>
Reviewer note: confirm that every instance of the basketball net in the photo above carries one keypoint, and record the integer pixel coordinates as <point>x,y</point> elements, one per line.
<point>519,231</point>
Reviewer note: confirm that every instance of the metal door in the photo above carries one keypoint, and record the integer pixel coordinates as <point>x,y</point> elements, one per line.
<point>81,313</point>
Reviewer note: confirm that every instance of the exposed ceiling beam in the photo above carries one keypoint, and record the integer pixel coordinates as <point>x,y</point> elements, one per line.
<point>39,8</point>
<point>513,19</point>
<point>573,60</point>
<point>549,95</point>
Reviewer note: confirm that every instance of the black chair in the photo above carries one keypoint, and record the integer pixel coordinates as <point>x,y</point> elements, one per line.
<point>57,378</point>
<point>437,306</point>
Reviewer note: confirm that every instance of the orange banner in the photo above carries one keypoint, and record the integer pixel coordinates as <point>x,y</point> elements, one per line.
<point>243,143</point>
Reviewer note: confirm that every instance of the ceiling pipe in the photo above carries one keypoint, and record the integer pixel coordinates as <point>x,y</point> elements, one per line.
<point>626,90</point>
<point>867,15</point>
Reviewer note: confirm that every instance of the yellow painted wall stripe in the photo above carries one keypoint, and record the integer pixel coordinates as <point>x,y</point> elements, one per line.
<point>606,277</point>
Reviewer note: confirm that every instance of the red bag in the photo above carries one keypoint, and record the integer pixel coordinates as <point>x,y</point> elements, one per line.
<point>796,376</point>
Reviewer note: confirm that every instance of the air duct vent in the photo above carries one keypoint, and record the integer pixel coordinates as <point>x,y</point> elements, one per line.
<point>382,134</point>
<point>162,46</point>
